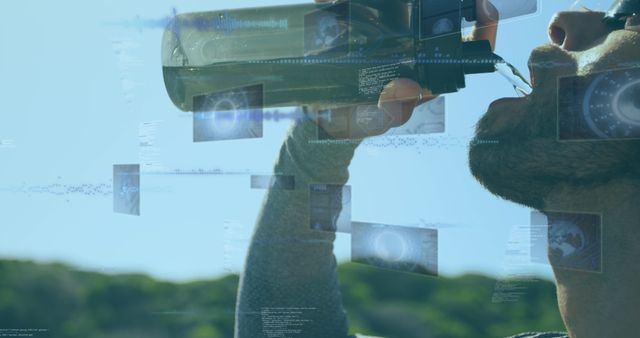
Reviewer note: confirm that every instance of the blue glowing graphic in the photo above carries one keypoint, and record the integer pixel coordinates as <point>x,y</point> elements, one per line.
<point>396,248</point>
<point>600,107</point>
<point>228,115</point>
<point>126,189</point>
<point>141,24</point>
<point>571,240</point>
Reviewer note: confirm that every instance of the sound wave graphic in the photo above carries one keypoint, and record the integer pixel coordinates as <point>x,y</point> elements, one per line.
<point>224,22</point>
<point>228,23</point>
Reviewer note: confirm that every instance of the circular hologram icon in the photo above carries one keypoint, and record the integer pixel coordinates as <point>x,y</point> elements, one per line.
<point>328,31</point>
<point>227,111</point>
<point>227,115</point>
<point>442,26</point>
<point>390,246</point>
<point>611,105</point>
<point>626,103</point>
<point>397,248</point>
<point>565,239</point>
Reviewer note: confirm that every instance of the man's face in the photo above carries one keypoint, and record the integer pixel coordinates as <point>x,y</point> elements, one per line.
<point>528,161</point>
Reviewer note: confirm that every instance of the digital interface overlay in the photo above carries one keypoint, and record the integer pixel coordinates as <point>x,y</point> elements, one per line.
<point>567,240</point>
<point>330,207</point>
<point>602,106</point>
<point>126,189</point>
<point>398,248</point>
<point>326,31</point>
<point>359,122</point>
<point>228,115</point>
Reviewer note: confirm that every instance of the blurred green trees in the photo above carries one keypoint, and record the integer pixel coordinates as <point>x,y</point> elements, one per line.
<point>68,303</point>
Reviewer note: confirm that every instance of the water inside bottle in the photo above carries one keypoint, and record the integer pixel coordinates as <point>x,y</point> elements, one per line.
<point>513,75</point>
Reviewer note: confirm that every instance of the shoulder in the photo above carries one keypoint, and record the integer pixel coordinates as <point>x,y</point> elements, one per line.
<point>541,335</point>
<point>522,335</point>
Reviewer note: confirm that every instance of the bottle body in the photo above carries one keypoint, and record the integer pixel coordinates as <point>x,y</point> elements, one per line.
<point>327,55</point>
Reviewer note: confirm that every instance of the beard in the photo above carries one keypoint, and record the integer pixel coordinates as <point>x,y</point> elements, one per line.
<point>516,154</point>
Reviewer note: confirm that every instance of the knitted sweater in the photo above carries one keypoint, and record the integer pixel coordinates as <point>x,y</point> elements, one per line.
<point>290,284</point>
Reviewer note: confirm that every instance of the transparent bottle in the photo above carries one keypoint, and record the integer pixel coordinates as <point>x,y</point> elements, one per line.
<point>335,54</point>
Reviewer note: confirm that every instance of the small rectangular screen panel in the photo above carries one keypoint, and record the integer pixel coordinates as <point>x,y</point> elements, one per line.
<point>602,106</point>
<point>573,241</point>
<point>397,248</point>
<point>126,189</point>
<point>330,207</point>
<point>229,115</point>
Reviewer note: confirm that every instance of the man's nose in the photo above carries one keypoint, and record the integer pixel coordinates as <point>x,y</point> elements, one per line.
<point>576,31</point>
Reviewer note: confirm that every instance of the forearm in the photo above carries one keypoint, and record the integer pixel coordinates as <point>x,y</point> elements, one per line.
<point>289,265</point>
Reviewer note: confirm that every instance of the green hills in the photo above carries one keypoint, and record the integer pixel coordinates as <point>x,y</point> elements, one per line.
<point>56,300</point>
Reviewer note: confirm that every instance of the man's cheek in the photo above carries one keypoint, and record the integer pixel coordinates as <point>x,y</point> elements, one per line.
<point>621,49</point>
<point>503,116</point>
<point>510,111</point>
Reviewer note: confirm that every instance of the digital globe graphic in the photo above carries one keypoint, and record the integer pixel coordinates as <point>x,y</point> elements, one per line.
<point>567,240</point>
<point>326,31</point>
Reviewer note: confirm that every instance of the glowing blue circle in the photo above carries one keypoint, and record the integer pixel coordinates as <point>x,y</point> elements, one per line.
<point>390,246</point>
<point>625,104</point>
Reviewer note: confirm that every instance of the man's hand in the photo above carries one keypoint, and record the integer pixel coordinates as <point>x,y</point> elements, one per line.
<point>399,97</point>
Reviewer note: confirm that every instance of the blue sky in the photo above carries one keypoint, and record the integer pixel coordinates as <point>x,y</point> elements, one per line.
<point>76,90</point>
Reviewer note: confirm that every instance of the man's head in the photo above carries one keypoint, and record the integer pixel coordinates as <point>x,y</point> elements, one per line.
<point>528,162</point>
<point>531,166</point>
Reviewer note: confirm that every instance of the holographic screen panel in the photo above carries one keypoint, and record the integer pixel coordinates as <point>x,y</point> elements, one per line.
<point>572,241</point>
<point>602,106</point>
<point>427,118</point>
<point>126,189</point>
<point>330,207</point>
<point>326,31</point>
<point>510,9</point>
<point>358,122</point>
<point>397,248</point>
<point>229,115</point>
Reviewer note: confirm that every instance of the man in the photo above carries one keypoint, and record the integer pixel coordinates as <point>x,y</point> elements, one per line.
<point>290,285</point>
<point>531,167</point>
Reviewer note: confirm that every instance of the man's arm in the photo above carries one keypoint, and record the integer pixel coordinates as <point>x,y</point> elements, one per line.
<point>542,335</point>
<point>290,268</point>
